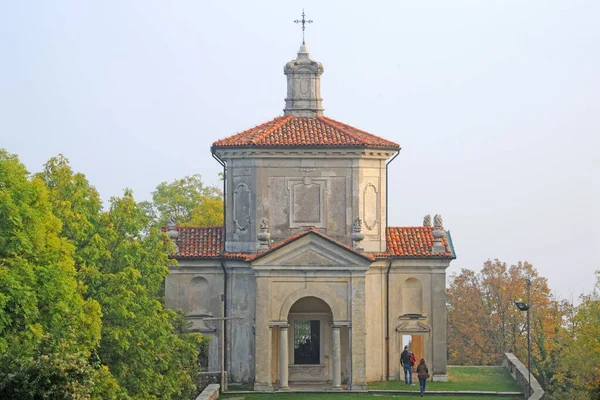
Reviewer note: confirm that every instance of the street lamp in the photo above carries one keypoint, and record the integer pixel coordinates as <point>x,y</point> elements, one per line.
<point>525,307</point>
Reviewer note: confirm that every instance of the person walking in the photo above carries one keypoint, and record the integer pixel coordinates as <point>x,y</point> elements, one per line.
<point>405,361</point>
<point>413,361</point>
<point>423,375</point>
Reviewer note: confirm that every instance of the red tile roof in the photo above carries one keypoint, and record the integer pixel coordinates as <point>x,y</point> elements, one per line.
<point>293,131</point>
<point>414,241</point>
<point>403,241</point>
<point>199,241</point>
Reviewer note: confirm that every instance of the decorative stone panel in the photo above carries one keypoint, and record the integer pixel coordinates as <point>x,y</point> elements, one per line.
<point>412,296</point>
<point>307,202</point>
<point>370,206</point>
<point>198,297</point>
<point>241,206</point>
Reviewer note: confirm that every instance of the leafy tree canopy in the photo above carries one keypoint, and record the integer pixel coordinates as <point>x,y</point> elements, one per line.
<point>81,307</point>
<point>48,330</point>
<point>188,200</point>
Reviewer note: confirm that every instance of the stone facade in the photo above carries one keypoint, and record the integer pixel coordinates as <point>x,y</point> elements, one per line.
<point>298,189</point>
<point>306,282</point>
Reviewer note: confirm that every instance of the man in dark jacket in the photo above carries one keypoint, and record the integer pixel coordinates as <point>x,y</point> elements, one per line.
<point>405,361</point>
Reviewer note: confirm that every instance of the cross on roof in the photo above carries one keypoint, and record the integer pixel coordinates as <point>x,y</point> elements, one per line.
<point>303,21</point>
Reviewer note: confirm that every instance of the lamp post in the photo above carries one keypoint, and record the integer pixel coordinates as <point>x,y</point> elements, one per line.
<point>525,307</point>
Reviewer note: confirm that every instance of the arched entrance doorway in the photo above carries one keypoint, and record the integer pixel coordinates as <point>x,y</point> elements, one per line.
<point>310,348</point>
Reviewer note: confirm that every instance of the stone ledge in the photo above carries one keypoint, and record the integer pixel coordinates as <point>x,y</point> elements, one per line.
<point>411,392</point>
<point>520,373</point>
<point>211,392</point>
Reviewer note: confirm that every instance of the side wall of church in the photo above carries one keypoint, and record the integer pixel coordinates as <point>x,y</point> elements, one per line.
<point>418,287</point>
<point>195,287</point>
<point>415,287</point>
<point>410,293</point>
<point>240,329</point>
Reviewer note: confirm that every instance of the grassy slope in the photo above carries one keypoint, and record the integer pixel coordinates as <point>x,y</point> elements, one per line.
<point>462,378</point>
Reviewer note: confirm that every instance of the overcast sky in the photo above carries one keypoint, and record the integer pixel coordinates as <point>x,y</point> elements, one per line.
<point>496,104</point>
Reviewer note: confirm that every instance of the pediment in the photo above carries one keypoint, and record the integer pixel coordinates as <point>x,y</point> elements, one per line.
<point>198,324</point>
<point>312,257</point>
<point>413,327</point>
<point>312,252</point>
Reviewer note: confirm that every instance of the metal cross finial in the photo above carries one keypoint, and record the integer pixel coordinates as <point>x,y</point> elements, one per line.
<point>303,21</point>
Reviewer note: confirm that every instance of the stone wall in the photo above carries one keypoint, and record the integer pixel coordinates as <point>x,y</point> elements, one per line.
<point>195,287</point>
<point>294,190</point>
<point>520,373</point>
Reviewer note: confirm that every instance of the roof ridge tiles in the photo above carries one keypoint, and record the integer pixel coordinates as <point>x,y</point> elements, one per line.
<point>360,130</point>
<point>284,120</point>
<point>291,131</point>
<point>328,121</point>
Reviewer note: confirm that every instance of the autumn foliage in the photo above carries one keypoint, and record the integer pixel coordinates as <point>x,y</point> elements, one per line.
<point>484,323</point>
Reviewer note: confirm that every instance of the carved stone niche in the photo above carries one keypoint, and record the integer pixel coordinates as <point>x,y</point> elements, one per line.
<point>307,197</point>
<point>241,206</point>
<point>370,206</point>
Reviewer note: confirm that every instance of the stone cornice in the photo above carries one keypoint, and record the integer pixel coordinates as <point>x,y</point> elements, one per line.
<point>400,264</point>
<point>304,153</point>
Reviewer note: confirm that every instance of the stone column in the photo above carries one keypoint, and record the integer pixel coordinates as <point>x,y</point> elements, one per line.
<point>283,358</point>
<point>337,358</point>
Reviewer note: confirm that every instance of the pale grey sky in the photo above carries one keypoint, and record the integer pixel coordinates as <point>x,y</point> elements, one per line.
<point>496,104</point>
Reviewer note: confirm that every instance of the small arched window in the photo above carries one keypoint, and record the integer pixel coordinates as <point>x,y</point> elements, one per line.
<point>198,293</point>
<point>412,297</point>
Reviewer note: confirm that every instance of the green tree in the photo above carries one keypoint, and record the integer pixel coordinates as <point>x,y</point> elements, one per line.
<point>48,331</point>
<point>585,357</point>
<point>143,346</point>
<point>188,200</point>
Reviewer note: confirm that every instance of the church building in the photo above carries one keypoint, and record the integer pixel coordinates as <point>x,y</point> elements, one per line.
<point>305,282</point>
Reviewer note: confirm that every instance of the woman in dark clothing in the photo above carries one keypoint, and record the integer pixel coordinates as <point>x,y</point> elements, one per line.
<point>423,374</point>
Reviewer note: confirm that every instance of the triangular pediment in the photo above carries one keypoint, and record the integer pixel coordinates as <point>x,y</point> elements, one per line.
<point>312,257</point>
<point>312,251</point>
<point>413,327</point>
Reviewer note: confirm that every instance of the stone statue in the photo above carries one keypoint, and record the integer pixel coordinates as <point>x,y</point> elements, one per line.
<point>264,235</point>
<point>437,221</point>
<point>172,231</point>
<point>357,225</point>
<point>427,220</point>
<point>356,234</point>
<point>264,224</point>
<point>438,233</point>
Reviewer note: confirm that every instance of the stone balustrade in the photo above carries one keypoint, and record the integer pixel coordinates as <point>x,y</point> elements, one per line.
<point>520,373</point>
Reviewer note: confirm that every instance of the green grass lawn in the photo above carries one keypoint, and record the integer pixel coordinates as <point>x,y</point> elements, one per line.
<point>350,396</point>
<point>461,378</point>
